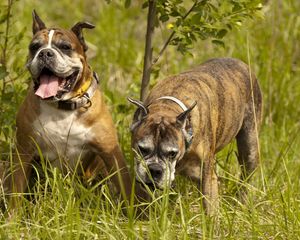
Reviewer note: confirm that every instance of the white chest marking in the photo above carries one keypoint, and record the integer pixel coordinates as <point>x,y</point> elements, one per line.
<point>60,136</point>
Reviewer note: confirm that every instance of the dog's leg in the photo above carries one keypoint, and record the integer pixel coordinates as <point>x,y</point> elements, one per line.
<point>209,179</point>
<point>190,167</point>
<point>95,167</point>
<point>18,176</point>
<point>200,168</point>
<point>115,164</point>
<point>210,186</point>
<point>248,152</point>
<point>248,148</point>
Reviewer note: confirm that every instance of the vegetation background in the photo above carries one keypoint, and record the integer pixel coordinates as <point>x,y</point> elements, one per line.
<point>63,208</point>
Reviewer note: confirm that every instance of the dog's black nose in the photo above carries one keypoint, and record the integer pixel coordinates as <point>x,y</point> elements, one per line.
<point>155,171</point>
<point>46,53</point>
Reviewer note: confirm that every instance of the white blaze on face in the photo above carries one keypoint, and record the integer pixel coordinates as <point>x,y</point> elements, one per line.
<point>49,84</point>
<point>49,45</point>
<point>50,36</point>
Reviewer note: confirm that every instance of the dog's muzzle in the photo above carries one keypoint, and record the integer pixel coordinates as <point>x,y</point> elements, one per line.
<point>156,172</point>
<point>46,54</point>
<point>153,176</point>
<point>51,81</point>
<point>49,84</point>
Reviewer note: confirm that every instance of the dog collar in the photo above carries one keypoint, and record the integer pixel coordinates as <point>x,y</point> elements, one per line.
<point>176,100</point>
<point>84,99</point>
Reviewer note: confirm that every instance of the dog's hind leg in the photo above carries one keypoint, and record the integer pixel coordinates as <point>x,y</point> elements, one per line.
<point>17,179</point>
<point>248,152</point>
<point>248,146</point>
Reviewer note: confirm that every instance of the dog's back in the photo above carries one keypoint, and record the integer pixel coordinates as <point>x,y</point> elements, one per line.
<point>225,91</point>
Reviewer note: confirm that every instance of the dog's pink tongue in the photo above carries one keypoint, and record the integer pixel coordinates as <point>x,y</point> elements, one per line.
<point>48,86</point>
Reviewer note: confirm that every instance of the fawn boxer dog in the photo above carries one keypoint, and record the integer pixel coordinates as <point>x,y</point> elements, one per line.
<point>64,113</point>
<point>188,118</point>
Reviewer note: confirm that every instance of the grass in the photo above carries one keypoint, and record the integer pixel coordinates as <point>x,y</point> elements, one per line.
<point>64,209</point>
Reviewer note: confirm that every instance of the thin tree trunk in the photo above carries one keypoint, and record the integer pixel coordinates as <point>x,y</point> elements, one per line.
<point>148,49</point>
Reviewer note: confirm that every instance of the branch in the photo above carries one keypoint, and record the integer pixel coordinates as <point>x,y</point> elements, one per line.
<point>148,49</point>
<point>9,6</point>
<point>172,35</point>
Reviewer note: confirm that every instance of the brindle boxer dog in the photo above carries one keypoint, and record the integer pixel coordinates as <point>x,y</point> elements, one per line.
<point>64,112</point>
<point>188,118</point>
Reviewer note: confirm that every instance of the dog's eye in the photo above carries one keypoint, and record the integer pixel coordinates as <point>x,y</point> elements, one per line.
<point>144,151</point>
<point>172,154</point>
<point>34,47</point>
<point>65,46</point>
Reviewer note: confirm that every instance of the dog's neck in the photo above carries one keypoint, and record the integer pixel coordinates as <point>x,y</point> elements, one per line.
<point>84,98</point>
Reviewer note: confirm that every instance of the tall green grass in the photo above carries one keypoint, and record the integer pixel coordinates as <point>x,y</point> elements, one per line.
<point>60,207</point>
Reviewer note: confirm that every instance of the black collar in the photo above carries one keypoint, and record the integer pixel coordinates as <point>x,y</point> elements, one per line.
<point>84,100</point>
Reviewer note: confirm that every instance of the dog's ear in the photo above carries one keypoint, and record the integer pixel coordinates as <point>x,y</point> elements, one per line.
<point>77,29</point>
<point>140,105</point>
<point>185,125</point>
<point>140,113</point>
<point>181,118</point>
<point>37,23</point>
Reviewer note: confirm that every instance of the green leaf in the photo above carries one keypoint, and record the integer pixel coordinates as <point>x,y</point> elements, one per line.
<point>3,12</point>
<point>145,5</point>
<point>3,72</point>
<point>164,18</point>
<point>127,3</point>
<point>221,33</point>
<point>196,18</point>
<point>201,3</point>
<point>236,7</point>
<point>218,42</point>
